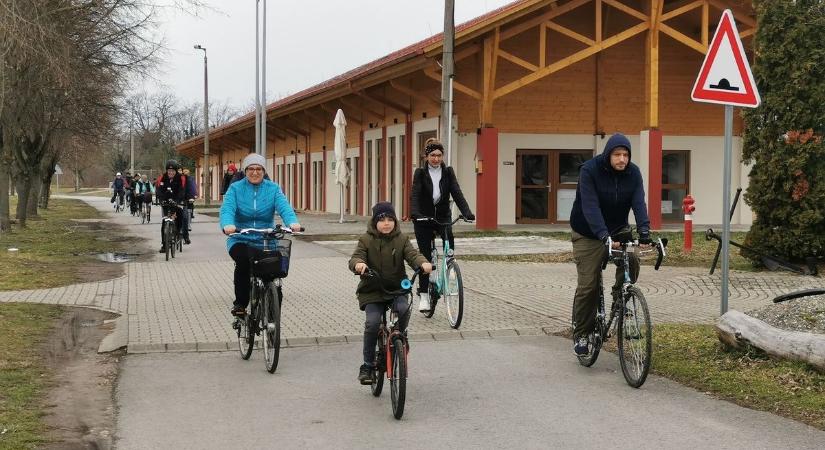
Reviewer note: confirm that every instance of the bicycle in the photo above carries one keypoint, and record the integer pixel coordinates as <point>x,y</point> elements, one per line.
<point>170,235</point>
<point>633,330</point>
<point>146,208</point>
<point>447,282</point>
<point>118,203</point>
<point>266,296</point>
<point>392,348</point>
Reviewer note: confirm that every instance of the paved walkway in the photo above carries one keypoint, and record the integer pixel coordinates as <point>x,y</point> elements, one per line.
<point>182,305</point>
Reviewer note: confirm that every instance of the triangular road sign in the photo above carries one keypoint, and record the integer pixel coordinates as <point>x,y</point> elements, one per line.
<point>726,77</point>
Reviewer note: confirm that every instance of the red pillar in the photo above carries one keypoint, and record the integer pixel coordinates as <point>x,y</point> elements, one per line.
<point>406,173</point>
<point>382,169</point>
<point>359,193</point>
<point>487,179</point>
<point>654,196</point>
<point>324,179</point>
<point>307,180</point>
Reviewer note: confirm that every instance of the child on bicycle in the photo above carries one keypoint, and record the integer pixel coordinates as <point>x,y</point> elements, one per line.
<point>383,248</point>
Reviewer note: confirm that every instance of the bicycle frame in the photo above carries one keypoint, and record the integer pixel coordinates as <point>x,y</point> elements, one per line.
<point>441,263</point>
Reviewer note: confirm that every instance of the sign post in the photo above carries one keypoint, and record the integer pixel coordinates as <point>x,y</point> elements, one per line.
<point>726,79</point>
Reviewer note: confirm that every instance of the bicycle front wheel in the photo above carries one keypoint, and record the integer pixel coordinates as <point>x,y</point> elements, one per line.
<point>379,367</point>
<point>634,338</point>
<point>246,337</point>
<point>398,382</point>
<point>454,294</point>
<point>271,326</point>
<point>167,239</point>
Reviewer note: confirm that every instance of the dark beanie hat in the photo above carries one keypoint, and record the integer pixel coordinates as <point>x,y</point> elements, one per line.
<point>383,209</point>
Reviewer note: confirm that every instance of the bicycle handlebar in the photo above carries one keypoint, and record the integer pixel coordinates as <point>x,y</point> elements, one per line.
<point>660,245</point>
<point>406,284</point>
<point>269,232</point>
<point>443,224</point>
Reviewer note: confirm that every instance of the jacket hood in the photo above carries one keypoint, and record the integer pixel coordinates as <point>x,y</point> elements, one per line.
<point>617,140</point>
<point>373,230</point>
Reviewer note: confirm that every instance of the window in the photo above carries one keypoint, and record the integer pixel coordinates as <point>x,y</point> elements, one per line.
<point>675,183</point>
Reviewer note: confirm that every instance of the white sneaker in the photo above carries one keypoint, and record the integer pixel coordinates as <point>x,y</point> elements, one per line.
<point>424,303</point>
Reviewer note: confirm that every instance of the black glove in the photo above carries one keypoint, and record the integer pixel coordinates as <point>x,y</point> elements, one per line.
<point>470,216</point>
<point>644,238</point>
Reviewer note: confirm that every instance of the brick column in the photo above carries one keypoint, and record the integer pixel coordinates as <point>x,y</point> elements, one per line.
<point>654,174</point>
<point>487,179</point>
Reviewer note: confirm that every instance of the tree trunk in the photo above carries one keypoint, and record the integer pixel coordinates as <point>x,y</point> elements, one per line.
<point>738,329</point>
<point>34,195</point>
<point>46,187</point>
<point>5,219</point>
<point>22,201</point>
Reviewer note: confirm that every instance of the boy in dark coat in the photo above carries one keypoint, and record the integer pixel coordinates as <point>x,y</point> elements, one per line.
<point>383,248</point>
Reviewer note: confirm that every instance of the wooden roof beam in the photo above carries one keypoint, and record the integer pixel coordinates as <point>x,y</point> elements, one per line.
<point>271,129</point>
<point>414,94</point>
<point>384,101</point>
<point>538,20</point>
<point>334,110</point>
<point>349,104</point>
<point>464,89</point>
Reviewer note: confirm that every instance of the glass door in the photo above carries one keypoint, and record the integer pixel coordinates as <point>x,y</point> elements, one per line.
<point>534,201</point>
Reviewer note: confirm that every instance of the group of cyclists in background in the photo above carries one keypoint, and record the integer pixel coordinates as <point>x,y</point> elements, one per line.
<point>174,190</point>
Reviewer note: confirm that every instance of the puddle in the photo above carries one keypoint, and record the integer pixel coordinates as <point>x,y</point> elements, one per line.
<point>116,257</point>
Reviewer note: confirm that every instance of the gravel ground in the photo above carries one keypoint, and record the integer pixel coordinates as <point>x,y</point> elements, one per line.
<point>805,314</point>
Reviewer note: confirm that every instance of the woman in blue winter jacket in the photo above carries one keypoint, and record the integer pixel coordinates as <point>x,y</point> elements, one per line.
<point>251,203</point>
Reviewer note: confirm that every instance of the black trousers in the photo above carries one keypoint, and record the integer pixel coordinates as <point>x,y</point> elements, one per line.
<point>241,253</point>
<point>424,237</point>
<point>374,311</point>
<point>178,222</point>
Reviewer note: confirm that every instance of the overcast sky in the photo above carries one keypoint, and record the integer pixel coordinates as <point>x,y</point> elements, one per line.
<point>308,41</point>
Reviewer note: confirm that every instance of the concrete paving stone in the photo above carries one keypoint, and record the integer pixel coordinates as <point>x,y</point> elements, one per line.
<point>212,346</point>
<point>353,338</point>
<point>447,336</point>
<point>146,348</point>
<point>503,333</point>
<point>332,340</point>
<point>530,331</point>
<point>413,337</point>
<point>475,334</point>
<point>302,341</point>
<point>182,347</point>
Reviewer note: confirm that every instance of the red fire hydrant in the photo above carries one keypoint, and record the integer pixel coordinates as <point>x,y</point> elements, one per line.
<point>688,208</point>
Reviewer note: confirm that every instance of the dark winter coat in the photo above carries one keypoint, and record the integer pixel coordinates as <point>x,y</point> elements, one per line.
<point>605,196</point>
<point>174,188</point>
<point>386,254</point>
<point>421,204</point>
<point>118,184</point>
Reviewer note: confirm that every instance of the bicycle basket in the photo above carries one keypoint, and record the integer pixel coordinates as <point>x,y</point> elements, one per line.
<point>273,263</point>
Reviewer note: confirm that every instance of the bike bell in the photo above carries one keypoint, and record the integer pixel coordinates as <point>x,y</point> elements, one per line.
<point>405,284</point>
<point>450,253</point>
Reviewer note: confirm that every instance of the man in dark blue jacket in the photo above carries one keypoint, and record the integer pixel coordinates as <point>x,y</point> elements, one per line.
<point>609,187</point>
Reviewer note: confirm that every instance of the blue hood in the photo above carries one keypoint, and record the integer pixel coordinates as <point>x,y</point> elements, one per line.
<point>617,140</point>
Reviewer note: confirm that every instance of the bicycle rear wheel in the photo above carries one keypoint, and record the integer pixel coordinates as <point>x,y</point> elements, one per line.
<point>271,326</point>
<point>378,367</point>
<point>398,382</point>
<point>173,238</point>
<point>167,239</point>
<point>454,294</point>
<point>635,338</point>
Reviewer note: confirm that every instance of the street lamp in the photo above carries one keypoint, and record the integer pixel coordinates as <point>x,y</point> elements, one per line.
<point>207,175</point>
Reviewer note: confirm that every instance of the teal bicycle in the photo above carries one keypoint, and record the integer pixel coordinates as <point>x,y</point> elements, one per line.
<point>445,281</point>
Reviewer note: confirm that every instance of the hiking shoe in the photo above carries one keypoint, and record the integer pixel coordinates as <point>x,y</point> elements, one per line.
<point>162,250</point>
<point>186,241</point>
<point>581,347</point>
<point>365,374</point>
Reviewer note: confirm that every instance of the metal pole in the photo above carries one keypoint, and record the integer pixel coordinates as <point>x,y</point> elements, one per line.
<point>341,199</point>
<point>257,79</point>
<point>263,87</point>
<point>726,205</point>
<point>207,175</point>
<point>447,68</point>
<point>449,134</point>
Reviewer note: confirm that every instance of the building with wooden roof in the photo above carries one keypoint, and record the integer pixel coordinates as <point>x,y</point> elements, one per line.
<point>539,86</point>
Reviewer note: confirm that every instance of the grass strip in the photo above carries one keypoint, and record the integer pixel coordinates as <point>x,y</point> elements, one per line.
<point>24,378</point>
<point>693,356</point>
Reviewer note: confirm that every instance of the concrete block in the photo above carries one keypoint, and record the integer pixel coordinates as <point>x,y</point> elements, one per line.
<point>182,347</point>
<point>332,339</point>
<point>213,346</point>
<point>414,337</point>
<point>146,348</point>
<point>530,332</point>
<point>447,336</point>
<point>475,334</point>
<point>503,333</point>
<point>302,341</point>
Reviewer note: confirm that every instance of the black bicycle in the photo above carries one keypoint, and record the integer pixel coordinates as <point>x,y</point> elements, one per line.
<point>268,271</point>
<point>633,331</point>
<point>170,234</point>
<point>392,347</point>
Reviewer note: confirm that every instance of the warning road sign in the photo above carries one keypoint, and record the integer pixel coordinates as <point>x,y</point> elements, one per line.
<point>726,77</point>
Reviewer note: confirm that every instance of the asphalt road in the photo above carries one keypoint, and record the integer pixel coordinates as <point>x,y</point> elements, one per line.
<point>523,392</point>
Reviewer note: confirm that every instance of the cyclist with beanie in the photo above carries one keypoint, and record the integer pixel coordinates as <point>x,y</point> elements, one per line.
<point>384,249</point>
<point>172,186</point>
<point>251,203</point>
